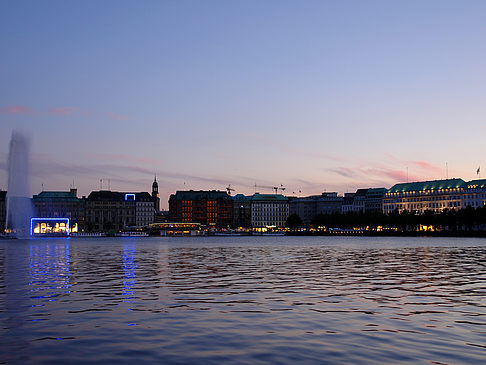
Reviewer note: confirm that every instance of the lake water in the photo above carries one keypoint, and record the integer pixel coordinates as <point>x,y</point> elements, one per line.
<point>253,300</point>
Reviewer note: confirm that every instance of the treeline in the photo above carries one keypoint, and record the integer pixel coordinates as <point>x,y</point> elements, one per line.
<point>467,219</point>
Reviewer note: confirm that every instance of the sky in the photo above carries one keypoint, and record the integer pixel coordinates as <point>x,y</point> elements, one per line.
<point>312,96</point>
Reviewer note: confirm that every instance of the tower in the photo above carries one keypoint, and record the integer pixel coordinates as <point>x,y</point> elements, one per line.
<point>155,194</point>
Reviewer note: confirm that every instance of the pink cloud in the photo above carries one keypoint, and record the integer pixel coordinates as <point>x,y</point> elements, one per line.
<point>396,175</point>
<point>117,116</point>
<point>426,166</point>
<point>16,109</point>
<point>66,110</point>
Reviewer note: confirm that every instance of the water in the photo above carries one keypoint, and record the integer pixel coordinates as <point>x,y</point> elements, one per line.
<point>243,300</point>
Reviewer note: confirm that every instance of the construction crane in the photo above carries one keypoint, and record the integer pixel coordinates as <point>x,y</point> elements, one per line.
<point>277,188</point>
<point>229,189</point>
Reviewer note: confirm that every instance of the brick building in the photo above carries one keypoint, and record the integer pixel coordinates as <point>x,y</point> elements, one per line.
<point>205,207</point>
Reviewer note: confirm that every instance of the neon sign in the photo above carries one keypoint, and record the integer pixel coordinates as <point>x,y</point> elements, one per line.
<point>48,226</point>
<point>130,195</point>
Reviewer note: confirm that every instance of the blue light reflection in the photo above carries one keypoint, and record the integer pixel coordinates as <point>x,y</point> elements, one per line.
<point>129,279</point>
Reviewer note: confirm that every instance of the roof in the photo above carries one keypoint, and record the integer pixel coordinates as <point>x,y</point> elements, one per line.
<point>55,195</point>
<point>428,185</point>
<point>376,192</point>
<point>476,184</point>
<point>269,197</point>
<point>241,197</point>
<point>107,195</point>
<point>200,195</point>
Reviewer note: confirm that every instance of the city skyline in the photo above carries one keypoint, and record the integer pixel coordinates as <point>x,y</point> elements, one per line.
<point>314,96</point>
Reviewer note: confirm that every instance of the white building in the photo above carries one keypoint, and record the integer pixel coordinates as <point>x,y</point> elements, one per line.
<point>269,210</point>
<point>436,195</point>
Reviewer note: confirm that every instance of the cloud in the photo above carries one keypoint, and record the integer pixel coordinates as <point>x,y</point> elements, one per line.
<point>345,172</point>
<point>16,109</point>
<point>44,167</point>
<point>114,116</point>
<point>373,175</point>
<point>119,157</point>
<point>66,110</point>
<point>393,174</point>
<point>426,166</point>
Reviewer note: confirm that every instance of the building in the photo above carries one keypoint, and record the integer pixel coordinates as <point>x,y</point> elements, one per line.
<point>435,195</point>
<point>111,210</point>
<point>368,200</point>
<point>213,208</point>
<point>374,200</point>
<point>3,210</point>
<point>308,207</point>
<point>242,211</point>
<point>61,204</point>
<point>348,203</point>
<point>474,194</point>
<point>269,210</point>
<point>155,194</point>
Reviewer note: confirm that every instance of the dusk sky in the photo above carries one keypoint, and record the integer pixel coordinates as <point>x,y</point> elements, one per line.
<point>314,95</point>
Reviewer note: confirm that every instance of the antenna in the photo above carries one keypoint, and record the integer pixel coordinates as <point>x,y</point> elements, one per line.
<point>101,184</point>
<point>447,171</point>
<point>109,184</point>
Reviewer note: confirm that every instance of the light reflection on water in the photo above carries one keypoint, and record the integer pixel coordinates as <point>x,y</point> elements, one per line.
<point>244,300</point>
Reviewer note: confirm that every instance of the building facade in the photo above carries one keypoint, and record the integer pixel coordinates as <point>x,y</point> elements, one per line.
<point>308,207</point>
<point>435,195</point>
<point>474,194</point>
<point>212,208</point>
<point>60,204</point>
<point>241,211</point>
<point>269,210</point>
<point>110,210</point>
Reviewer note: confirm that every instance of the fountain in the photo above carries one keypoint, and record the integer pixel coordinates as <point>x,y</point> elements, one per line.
<point>19,203</point>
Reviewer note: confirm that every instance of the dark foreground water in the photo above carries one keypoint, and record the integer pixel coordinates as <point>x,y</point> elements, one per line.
<point>243,300</point>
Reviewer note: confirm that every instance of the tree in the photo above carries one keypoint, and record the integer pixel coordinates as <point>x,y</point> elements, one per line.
<point>294,221</point>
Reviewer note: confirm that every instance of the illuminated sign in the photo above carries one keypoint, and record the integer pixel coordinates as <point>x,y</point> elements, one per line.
<point>49,226</point>
<point>130,197</point>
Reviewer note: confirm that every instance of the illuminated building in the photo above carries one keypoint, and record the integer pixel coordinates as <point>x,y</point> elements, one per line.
<point>474,194</point>
<point>177,229</point>
<point>269,210</point>
<point>435,195</point>
<point>50,227</point>
<point>57,204</point>
<point>3,210</point>
<point>111,210</point>
<point>205,207</point>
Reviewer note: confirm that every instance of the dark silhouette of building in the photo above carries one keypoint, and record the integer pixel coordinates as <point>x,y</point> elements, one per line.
<point>60,204</point>
<point>155,194</point>
<point>112,210</point>
<point>241,211</point>
<point>205,207</point>
<point>308,207</point>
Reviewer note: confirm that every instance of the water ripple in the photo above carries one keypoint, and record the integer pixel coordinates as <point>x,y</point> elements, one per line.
<point>285,300</point>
